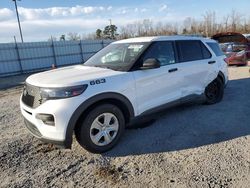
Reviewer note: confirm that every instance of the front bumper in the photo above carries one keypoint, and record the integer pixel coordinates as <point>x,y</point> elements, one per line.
<point>62,111</point>
<point>35,132</point>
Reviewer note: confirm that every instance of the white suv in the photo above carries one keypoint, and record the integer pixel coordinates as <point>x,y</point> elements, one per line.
<point>123,82</point>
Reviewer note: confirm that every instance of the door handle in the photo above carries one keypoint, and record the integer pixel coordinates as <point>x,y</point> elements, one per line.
<point>211,62</point>
<point>173,70</point>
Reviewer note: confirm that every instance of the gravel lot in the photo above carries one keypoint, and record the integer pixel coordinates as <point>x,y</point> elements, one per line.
<point>188,146</point>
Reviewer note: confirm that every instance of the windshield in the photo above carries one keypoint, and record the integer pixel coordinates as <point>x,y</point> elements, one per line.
<point>117,56</point>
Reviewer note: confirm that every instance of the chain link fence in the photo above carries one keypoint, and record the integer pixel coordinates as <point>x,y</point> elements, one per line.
<point>20,58</point>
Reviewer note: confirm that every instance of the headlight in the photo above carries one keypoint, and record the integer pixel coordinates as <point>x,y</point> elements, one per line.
<point>60,93</point>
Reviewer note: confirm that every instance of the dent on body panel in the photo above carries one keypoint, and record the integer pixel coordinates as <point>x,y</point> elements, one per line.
<point>211,76</point>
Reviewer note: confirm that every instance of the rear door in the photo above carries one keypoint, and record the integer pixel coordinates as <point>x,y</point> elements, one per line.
<point>155,87</point>
<point>197,68</point>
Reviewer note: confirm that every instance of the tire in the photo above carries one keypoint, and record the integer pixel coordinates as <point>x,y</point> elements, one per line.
<point>214,91</point>
<point>98,136</point>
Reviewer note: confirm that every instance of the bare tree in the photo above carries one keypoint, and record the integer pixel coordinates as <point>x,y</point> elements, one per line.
<point>226,18</point>
<point>89,36</point>
<point>235,19</point>
<point>209,21</point>
<point>73,36</point>
<point>208,26</point>
<point>52,38</point>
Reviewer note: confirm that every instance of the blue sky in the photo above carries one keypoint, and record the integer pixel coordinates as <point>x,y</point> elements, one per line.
<point>42,18</point>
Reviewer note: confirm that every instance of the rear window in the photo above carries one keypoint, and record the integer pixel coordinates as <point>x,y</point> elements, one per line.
<point>216,48</point>
<point>192,50</point>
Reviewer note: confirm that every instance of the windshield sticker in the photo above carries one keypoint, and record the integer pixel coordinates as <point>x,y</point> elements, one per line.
<point>135,47</point>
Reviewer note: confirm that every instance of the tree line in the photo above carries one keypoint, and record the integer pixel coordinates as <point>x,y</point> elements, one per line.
<point>207,26</point>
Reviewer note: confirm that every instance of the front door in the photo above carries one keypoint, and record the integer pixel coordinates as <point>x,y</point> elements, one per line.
<point>155,87</point>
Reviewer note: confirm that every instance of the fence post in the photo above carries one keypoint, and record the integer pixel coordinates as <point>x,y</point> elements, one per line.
<point>54,52</point>
<point>81,50</point>
<point>18,56</point>
<point>102,44</point>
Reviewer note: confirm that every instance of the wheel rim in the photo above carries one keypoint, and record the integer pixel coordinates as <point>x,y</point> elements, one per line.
<point>212,90</point>
<point>104,129</point>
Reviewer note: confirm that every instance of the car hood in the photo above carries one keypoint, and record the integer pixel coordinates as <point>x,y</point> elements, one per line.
<point>69,76</point>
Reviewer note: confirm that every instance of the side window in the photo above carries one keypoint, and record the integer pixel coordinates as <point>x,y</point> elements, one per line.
<point>189,50</point>
<point>163,51</point>
<point>206,52</point>
<point>216,48</point>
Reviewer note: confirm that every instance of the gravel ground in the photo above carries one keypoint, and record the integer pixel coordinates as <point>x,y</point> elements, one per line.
<point>188,146</point>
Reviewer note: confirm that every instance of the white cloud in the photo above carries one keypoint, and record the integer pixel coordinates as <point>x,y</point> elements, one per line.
<point>136,10</point>
<point>38,24</point>
<point>144,10</point>
<point>163,8</point>
<point>53,12</point>
<point>124,11</point>
<point>6,14</point>
<point>109,8</point>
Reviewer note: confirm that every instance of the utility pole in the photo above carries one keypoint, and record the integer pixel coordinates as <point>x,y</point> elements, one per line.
<point>18,20</point>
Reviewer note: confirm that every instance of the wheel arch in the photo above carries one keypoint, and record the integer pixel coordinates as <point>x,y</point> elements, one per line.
<point>110,97</point>
<point>221,76</point>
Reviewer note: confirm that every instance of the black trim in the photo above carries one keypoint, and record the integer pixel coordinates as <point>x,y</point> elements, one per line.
<point>91,101</point>
<point>149,114</point>
<point>223,77</point>
<point>36,133</point>
<point>32,128</point>
<point>211,62</point>
<point>176,53</point>
<point>173,70</point>
<point>27,112</point>
<point>174,103</point>
<point>220,74</point>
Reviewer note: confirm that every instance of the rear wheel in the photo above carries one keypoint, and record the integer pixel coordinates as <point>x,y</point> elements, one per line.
<point>101,128</point>
<point>214,91</point>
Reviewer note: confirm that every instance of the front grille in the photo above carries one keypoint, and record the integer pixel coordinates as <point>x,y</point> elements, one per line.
<point>31,96</point>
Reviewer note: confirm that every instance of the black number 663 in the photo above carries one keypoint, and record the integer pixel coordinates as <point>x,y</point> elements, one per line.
<point>100,81</point>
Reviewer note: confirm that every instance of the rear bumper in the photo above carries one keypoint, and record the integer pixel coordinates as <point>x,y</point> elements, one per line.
<point>237,61</point>
<point>35,132</point>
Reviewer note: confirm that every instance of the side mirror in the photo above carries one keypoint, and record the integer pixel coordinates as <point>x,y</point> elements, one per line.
<point>150,64</point>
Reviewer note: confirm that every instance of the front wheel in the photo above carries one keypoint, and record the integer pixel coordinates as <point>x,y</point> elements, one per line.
<point>214,91</point>
<point>101,128</point>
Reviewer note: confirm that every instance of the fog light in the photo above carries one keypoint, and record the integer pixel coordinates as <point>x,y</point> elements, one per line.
<point>47,119</point>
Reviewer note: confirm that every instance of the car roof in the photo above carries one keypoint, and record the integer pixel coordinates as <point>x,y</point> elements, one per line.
<point>163,38</point>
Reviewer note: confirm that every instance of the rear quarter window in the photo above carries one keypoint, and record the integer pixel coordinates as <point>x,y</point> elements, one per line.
<point>216,48</point>
<point>192,50</point>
